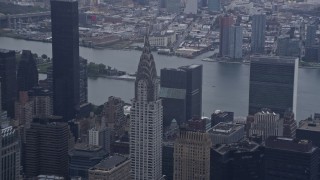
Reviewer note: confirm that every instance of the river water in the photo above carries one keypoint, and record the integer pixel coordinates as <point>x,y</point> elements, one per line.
<point>225,86</point>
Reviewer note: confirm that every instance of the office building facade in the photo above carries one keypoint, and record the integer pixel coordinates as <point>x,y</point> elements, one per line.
<point>146,121</point>
<point>287,158</point>
<point>236,40</point>
<point>241,160</point>
<point>8,80</point>
<point>65,58</point>
<point>181,93</point>
<point>273,84</point>
<point>46,149</point>
<point>27,75</point>
<point>226,22</point>
<point>10,154</point>
<point>192,156</point>
<point>82,157</point>
<point>42,102</point>
<point>266,124</point>
<point>167,160</point>
<point>258,33</point>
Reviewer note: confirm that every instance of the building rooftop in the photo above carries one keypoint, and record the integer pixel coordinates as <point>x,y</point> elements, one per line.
<point>290,144</point>
<point>225,128</point>
<point>86,150</point>
<point>243,146</point>
<point>221,114</point>
<point>310,126</point>
<point>273,59</point>
<point>110,163</point>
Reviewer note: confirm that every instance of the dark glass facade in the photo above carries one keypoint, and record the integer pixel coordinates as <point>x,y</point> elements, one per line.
<point>83,157</point>
<point>273,84</point>
<point>238,161</point>
<point>167,160</point>
<point>27,75</point>
<point>8,80</point>
<point>173,94</point>
<point>287,158</point>
<point>181,93</point>
<point>46,149</point>
<point>258,33</point>
<point>65,54</point>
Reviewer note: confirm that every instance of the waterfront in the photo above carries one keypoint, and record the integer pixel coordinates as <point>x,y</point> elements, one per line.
<point>225,86</point>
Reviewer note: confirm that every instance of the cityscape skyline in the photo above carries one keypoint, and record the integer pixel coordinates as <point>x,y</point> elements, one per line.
<point>50,129</point>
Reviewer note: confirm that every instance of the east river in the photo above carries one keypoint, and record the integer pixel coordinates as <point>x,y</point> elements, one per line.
<point>225,86</point>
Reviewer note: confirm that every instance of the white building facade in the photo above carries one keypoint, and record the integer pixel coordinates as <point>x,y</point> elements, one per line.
<point>146,121</point>
<point>267,124</point>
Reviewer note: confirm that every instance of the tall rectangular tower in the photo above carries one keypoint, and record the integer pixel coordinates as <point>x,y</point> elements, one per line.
<point>194,90</point>
<point>46,148</point>
<point>258,33</point>
<point>273,84</point>
<point>146,121</point>
<point>181,93</point>
<point>235,41</point>
<point>8,80</point>
<point>65,54</point>
<point>226,23</point>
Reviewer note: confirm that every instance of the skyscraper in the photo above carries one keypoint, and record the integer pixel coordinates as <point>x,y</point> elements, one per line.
<point>8,80</point>
<point>46,149</point>
<point>192,156</point>
<point>27,75</point>
<point>273,84</point>
<point>181,93</point>
<point>287,158</point>
<point>10,154</point>
<point>226,23</point>
<point>146,121</point>
<point>258,33</point>
<point>65,57</point>
<point>235,38</point>
<point>194,90</point>
<point>214,5</point>
<point>173,94</point>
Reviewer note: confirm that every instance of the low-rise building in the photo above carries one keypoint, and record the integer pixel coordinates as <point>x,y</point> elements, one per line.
<point>226,133</point>
<point>112,168</point>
